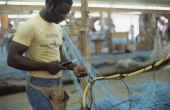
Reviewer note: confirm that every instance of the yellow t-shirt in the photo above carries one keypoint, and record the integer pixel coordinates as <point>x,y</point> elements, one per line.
<point>43,39</point>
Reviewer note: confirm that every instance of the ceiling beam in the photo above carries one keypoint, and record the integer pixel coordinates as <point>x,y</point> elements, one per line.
<point>119,10</point>
<point>17,8</point>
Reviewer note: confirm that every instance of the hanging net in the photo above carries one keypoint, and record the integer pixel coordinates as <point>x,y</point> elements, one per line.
<point>101,93</point>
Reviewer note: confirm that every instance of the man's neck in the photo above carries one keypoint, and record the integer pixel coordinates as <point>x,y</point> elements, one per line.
<point>44,15</point>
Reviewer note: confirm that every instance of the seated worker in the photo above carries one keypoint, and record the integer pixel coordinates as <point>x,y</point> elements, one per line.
<point>40,40</point>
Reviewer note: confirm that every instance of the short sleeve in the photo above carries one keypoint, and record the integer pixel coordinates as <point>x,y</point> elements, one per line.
<point>24,34</point>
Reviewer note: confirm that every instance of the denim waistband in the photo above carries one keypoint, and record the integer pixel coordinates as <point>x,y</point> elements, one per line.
<point>44,81</point>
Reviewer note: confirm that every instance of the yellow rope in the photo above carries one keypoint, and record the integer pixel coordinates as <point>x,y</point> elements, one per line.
<point>114,76</point>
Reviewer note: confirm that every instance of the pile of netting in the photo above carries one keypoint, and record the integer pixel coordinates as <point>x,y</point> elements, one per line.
<point>102,95</point>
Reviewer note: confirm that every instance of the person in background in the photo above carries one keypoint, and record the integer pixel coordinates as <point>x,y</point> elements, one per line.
<point>6,40</point>
<point>40,40</point>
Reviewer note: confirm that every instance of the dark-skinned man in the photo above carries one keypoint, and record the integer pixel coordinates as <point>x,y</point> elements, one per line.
<point>36,48</point>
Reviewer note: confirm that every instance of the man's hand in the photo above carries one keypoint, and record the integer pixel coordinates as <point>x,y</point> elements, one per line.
<point>54,67</point>
<point>80,71</point>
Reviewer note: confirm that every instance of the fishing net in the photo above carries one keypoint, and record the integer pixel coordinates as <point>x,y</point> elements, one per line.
<point>102,93</point>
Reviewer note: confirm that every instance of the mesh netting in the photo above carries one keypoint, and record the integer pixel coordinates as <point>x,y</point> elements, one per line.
<point>103,95</point>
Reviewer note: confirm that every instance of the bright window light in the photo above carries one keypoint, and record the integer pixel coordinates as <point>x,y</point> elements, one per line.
<point>21,22</point>
<point>97,25</point>
<point>2,2</point>
<point>166,20</point>
<point>13,16</point>
<point>67,20</point>
<point>22,16</point>
<point>25,3</point>
<point>36,11</point>
<point>77,15</point>
<point>63,23</point>
<point>77,4</point>
<point>12,22</point>
<point>95,14</point>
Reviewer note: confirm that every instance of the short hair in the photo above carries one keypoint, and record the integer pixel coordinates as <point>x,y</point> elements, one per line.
<point>59,2</point>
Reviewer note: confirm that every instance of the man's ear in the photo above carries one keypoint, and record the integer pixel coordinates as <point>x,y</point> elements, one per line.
<point>50,3</point>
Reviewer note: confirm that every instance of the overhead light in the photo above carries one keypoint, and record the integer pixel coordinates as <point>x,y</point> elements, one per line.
<point>33,3</point>
<point>128,6</point>
<point>25,3</point>
<point>157,8</point>
<point>140,7</point>
<point>92,5</point>
<point>135,13</point>
<point>100,5</point>
<point>2,2</point>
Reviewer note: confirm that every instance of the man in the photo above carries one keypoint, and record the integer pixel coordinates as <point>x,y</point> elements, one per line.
<point>40,40</point>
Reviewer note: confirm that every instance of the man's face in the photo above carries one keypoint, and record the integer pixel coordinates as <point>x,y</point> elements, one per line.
<point>59,13</point>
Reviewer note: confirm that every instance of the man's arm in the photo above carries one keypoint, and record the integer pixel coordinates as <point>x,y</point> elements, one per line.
<point>17,60</point>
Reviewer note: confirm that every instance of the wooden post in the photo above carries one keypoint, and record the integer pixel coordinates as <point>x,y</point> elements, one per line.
<point>84,11</point>
<point>102,25</point>
<point>152,24</point>
<point>98,45</point>
<point>0,19</point>
<point>85,44</point>
<point>168,17</point>
<point>85,23</point>
<point>168,30</point>
<point>109,37</point>
<point>4,22</point>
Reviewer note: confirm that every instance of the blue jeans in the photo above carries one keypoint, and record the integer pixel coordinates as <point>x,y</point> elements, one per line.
<point>38,100</point>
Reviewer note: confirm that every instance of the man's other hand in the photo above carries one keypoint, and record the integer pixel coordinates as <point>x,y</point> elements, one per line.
<point>80,71</point>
